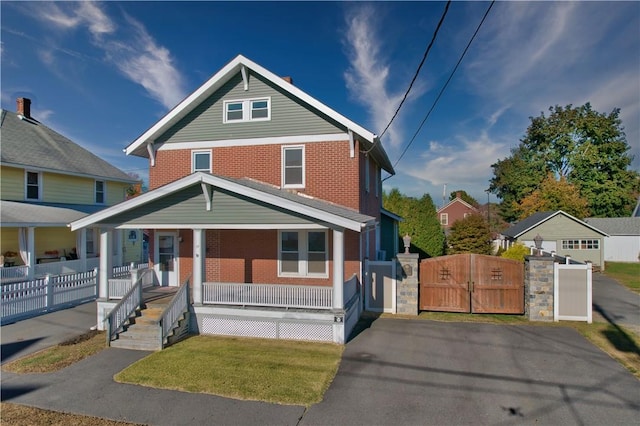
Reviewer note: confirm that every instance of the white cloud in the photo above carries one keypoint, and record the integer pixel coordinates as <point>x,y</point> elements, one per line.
<point>368,76</point>
<point>143,61</point>
<point>128,48</point>
<point>467,163</point>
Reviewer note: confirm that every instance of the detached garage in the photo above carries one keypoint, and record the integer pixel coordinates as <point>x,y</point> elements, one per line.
<point>623,241</point>
<point>562,233</point>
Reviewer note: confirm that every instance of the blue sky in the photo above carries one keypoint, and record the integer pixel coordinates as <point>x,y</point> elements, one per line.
<point>102,73</point>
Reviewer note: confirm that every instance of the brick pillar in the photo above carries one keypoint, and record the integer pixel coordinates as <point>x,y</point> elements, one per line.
<point>407,283</point>
<point>538,288</point>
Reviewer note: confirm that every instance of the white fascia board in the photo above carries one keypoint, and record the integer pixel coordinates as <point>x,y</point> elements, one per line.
<point>283,203</point>
<point>246,226</point>
<point>135,202</point>
<point>218,79</point>
<point>281,140</point>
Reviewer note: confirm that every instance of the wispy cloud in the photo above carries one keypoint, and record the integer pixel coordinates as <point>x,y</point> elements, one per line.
<point>127,47</point>
<point>462,164</point>
<point>368,75</point>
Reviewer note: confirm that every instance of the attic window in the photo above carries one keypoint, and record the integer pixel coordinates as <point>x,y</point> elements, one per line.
<point>247,110</point>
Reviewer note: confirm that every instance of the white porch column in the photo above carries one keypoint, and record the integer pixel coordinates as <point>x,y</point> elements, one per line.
<point>198,265</point>
<point>117,247</point>
<point>106,263</point>
<point>338,269</point>
<point>31,251</point>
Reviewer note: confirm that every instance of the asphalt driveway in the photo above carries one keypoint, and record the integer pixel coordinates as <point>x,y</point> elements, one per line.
<point>413,372</point>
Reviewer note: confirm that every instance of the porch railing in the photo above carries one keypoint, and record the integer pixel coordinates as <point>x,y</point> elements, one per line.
<point>120,313</point>
<point>289,296</point>
<point>29,298</point>
<point>172,313</point>
<point>118,287</point>
<point>62,267</point>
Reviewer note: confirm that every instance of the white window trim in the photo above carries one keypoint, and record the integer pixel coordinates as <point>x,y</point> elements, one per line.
<point>104,192</point>
<point>580,242</point>
<point>444,216</point>
<point>26,184</point>
<point>304,168</point>
<point>193,159</point>
<point>246,109</point>
<point>303,254</point>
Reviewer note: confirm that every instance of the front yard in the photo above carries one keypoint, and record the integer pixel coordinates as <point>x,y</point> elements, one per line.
<point>627,274</point>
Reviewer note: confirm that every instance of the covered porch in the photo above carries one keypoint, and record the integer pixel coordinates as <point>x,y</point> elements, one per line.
<point>259,261</point>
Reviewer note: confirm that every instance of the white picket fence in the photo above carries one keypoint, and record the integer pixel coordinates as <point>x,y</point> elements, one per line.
<point>63,267</point>
<point>30,298</point>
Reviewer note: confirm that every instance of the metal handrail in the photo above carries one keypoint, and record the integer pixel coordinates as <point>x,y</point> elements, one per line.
<point>124,308</point>
<point>171,314</point>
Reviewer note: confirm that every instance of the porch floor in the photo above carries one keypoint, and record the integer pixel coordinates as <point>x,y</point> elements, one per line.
<point>158,295</point>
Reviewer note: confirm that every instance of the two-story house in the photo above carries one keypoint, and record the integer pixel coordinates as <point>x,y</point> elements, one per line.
<point>253,183</point>
<point>453,211</point>
<point>47,182</point>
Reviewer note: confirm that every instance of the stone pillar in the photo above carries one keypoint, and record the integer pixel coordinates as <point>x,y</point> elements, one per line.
<point>407,284</point>
<point>538,288</point>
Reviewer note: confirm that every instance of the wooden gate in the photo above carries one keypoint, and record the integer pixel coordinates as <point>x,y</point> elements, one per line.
<point>472,283</point>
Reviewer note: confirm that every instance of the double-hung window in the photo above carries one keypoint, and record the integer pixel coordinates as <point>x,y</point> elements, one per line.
<point>201,161</point>
<point>444,219</point>
<point>303,254</point>
<point>247,110</point>
<point>293,167</point>
<point>100,192</point>
<point>32,187</point>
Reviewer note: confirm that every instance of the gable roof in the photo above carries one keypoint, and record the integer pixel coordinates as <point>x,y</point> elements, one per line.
<point>539,218</point>
<point>616,225</point>
<point>456,200</point>
<point>27,143</point>
<point>138,146</point>
<point>317,210</point>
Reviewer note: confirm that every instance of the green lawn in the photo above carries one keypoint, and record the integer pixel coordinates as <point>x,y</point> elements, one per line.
<point>627,274</point>
<point>279,371</point>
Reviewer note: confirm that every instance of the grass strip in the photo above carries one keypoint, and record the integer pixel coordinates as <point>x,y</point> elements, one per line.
<point>60,356</point>
<point>277,371</point>
<point>22,415</point>
<point>627,274</point>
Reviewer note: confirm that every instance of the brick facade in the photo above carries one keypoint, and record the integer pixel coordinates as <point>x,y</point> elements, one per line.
<point>243,256</point>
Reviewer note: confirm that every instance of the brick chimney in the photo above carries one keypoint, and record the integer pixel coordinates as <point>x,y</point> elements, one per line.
<point>24,107</point>
<point>288,80</point>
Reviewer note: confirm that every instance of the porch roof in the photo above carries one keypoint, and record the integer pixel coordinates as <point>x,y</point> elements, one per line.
<point>203,200</point>
<point>27,214</point>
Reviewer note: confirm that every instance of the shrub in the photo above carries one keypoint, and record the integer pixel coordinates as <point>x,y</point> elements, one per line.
<point>516,252</point>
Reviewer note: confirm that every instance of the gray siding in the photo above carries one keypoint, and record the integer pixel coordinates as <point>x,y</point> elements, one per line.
<point>562,228</point>
<point>188,208</point>
<point>289,117</point>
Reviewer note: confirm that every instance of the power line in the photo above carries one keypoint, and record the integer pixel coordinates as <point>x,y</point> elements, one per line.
<point>435,102</point>
<point>415,76</point>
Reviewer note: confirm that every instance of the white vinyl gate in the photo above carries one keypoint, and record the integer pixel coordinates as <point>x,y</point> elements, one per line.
<point>380,289</point>
<point>572,292</point>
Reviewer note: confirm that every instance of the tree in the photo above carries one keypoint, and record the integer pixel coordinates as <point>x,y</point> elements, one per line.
<point>464,197</point>
<point>419,221</point>
<point>470,235</point>
<point>551,196</point>
<point>518,251</point>
<point>587,148</point>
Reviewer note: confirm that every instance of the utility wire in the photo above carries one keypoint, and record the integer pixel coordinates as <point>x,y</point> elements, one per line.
<point>424,58</point>
<point>445,85</point>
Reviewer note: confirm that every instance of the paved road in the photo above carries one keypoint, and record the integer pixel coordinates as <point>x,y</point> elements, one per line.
<point>400,372</point>
<point>615,303</point>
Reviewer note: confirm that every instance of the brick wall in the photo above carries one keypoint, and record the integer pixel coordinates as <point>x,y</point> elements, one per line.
<point>330,174</point>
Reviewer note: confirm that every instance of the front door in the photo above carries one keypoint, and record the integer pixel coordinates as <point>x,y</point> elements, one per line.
<point>166,265</point>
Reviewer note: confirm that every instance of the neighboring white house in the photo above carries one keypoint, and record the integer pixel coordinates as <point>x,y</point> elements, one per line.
<point>623,241</point>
